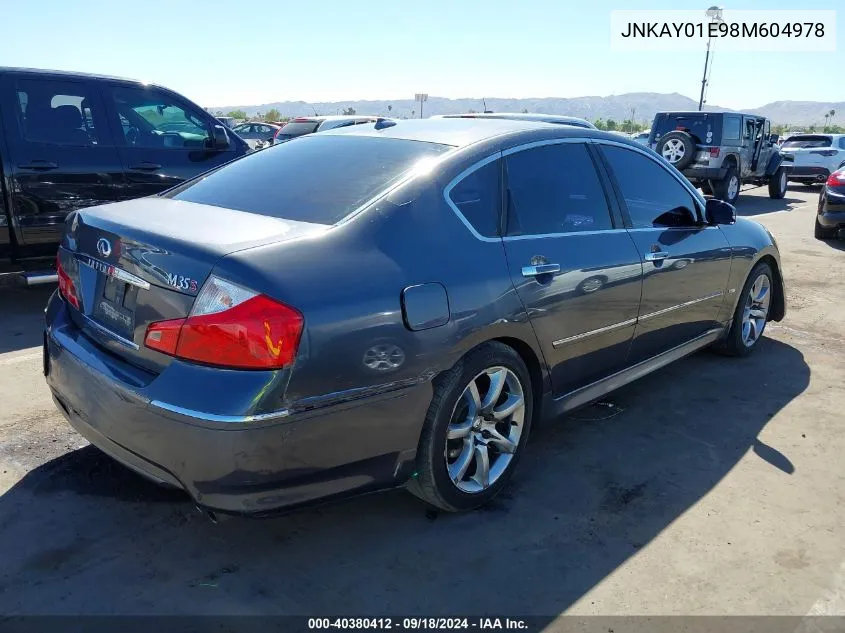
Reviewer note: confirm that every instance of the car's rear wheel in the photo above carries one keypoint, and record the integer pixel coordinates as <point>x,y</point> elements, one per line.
<point>728,188</point>
<point>822,233</point>
<point>752,312</point>
<point>475,430</point>
<point>677,148</point>
<point>777,184</point>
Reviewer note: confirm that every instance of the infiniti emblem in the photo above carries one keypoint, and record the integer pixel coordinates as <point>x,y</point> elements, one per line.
<point>104,247</point>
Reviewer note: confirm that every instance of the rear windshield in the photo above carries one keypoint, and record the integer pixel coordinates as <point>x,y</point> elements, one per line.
<point>298,128</point>
<point>706,129</point>
<point>319,178</point>
<point>808,140</point>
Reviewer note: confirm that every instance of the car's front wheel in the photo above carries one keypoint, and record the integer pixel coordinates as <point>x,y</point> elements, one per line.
<point>777,184</point>
<point>727,189</point>
<point>752,312</point>
<point>475,430</point>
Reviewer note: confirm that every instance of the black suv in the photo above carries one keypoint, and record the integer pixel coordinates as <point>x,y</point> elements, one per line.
<point>70,140</point>
<point>720,151</point>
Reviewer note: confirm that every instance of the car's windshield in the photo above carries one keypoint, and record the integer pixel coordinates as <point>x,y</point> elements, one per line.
<point>317,179</point>
<point>808,141</point>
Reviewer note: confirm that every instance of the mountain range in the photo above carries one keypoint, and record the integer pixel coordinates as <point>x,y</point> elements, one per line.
<point>643,106</point>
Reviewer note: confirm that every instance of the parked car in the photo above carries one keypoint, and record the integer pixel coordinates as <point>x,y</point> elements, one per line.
<point>257,134</point>
<point>389,304</point>
<point>70,140</point>
<point>830,219</point>
<point>522,116</point>
<point>815,156</point>
<point>641,137</point>
<point>308,125</point>
<point>228,121</point>
<point>721,151</point>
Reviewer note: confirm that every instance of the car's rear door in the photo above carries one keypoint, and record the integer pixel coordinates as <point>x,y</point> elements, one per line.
<point>574,266</point>
<point>61,154</point>
<point>162,139</point>
<point>686,263</point>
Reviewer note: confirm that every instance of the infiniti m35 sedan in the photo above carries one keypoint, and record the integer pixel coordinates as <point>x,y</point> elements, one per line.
<point>389,304</point>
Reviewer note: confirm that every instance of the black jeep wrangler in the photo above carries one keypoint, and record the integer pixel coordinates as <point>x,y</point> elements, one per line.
<point>720,151</point>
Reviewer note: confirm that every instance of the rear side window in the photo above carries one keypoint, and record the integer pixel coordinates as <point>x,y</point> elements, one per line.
<point>808,141</point>
<point>58,112</point>
<point>653,196</point>
<point>297,128</point>
<point>319,179</point>
<point>733,125</point>
<point>477,198</point>
<point>555,189</point>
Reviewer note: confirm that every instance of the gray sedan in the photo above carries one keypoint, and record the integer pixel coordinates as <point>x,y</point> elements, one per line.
<point>390,304</point>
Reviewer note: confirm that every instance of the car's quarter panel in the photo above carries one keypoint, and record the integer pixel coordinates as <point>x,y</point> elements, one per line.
<point>54,167</point>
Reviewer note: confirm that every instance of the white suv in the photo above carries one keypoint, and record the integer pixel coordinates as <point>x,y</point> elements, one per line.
<point>816,156</point>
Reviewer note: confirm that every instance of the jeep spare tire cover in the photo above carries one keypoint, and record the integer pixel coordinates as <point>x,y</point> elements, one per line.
<point>678,148</point>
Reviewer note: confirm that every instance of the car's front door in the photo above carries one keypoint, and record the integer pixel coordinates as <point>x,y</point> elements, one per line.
<point>162,139</point>
<point>574,266</point>
<point>746,150</point>
<point>686,263</point>
<point>61,154</point>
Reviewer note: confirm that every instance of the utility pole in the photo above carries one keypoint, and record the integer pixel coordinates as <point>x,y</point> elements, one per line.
<point>715,15</point>
<point>422,98</point>
<point>633,114</point>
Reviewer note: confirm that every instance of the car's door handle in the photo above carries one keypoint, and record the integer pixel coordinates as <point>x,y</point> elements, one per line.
<point>146,166</point>
<point>656,257</point>
<point>540,269</point>
<point>39,165</point>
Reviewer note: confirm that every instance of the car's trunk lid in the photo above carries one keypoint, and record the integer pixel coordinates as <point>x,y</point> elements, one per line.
<point>145,260</point>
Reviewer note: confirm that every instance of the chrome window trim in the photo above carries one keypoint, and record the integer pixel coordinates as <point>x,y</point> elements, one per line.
<point>456,181</point>
<point>601,330</point>
<point>686,304</point>
<point>514,238</point>
<point>548,141</point>
<point>697,196</point>
<point>115,337</point>
<point>637,320</point>
<point>212,417</point>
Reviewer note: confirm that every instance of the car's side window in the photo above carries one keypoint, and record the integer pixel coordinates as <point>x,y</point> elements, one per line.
<point>58,112</point>
<point>653,196</point>
<point>842,142</point>
<point>555,189</point>
<point>478,198</point>
<point>731,128</point>
<point>151,118</point>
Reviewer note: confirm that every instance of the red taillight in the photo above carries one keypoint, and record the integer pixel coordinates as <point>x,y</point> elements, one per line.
<point>230,326</point>
<point>836,179</point>
<point>714,152</point>
<point>66,286</point>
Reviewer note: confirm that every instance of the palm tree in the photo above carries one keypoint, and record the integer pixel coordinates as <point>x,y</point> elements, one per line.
<point>831,113</point>
<point>826,116</point>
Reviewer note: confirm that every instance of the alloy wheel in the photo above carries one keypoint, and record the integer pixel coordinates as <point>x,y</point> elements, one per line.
<point>733,188</point>
<point>673,150</point>
<point>756,310</point>
<point>484,430</point>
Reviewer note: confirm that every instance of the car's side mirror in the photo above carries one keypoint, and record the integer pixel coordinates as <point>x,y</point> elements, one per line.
<point>719,212</point>
<point>774,138</point>
<point>221,138</point>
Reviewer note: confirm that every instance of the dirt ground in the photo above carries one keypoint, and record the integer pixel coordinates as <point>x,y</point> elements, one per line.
<point>714,486</point>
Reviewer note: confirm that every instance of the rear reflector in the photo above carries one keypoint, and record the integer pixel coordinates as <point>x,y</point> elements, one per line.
<point>66,286</point>
<point>714,152</point>
<point>231,326</point>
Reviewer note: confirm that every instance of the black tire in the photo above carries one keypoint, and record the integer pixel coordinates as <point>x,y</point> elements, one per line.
<point>721,188</point>
<point>733,344</point>
<point>777,184</point>
<point>432,482</point>
<point>705,187</point>
<point>686,143</point>
<point>822,233</point>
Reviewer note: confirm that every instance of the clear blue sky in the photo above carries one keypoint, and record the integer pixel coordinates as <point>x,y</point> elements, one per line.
<point>229,53</point>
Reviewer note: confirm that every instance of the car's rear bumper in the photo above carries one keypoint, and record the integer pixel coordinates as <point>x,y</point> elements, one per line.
<point>832,219</point>
<point>249,467</point>
<point>809,173</point>
<point>704,173</point>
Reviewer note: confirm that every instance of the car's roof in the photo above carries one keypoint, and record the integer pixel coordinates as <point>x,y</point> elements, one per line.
<point>694,112</point>
<point>521,116</point>
<point>69,73</point>
<point>460,132</point>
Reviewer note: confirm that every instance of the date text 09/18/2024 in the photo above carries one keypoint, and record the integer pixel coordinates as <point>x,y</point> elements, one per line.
<point>417,624</point>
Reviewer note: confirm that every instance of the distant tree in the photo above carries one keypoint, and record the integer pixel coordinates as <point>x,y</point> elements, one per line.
<point>350,111</point>
<point>237,114</point>
<point>413,113</point>
<point>600,124</point>
<point>812,128</point>
<point>272,115</point>
<point>611,124</point>
<point>524,110</point>
<point>218,113</point>
<point>389,108</point>
<point>470,111</point>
